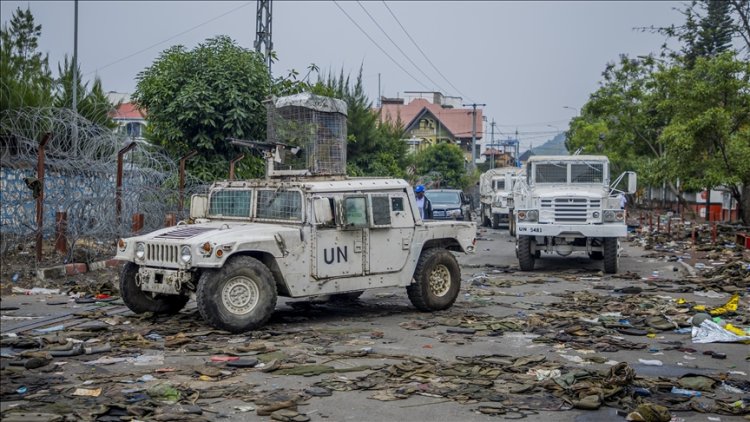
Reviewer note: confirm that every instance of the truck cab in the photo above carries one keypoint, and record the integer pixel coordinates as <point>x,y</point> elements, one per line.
<point>567,204</point>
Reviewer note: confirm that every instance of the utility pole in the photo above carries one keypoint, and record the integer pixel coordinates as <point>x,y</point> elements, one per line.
<point>379,96</point>
<point>75,75</point>
<point>263,31</point>
<point>474,133</point>
<point>492,144</point>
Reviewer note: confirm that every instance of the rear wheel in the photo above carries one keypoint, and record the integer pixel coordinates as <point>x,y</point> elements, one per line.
<point>611,260</point>
<point>511,224</point>
<point>139,301</point>
<point>525,256</point>
<point>437,281</point>
<point>240,296</point>
<point>495,221</point>
<point>485,221</point>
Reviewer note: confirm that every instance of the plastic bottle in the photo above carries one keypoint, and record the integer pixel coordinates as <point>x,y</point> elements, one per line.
<point>686,393</point>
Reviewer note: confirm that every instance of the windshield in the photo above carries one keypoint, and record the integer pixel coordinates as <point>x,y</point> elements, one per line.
<point>230,203</point>
<point>444,197</point>
<point>580,173</point>
<point>279,205</point>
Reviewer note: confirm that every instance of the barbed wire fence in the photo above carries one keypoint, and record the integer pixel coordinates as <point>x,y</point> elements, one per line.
<point>80,180</point>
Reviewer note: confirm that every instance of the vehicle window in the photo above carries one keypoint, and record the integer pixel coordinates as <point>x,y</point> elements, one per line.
<point>551,173</point>
<point>355,211</point>
<point>381,210</point>
<point>586,172</point>
<point>279,205</point>
<point>397,204</point>
<point>443,197</point>
<point>230,203</point>
<point>499,184</point>
<point>324,210</point>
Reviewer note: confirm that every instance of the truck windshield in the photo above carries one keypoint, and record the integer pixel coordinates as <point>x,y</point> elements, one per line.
<point>551,173</point>
<point>444,197</point>
<point>499,184</point>
<point>230,203</point>
<point>586,172</point>
<point>279,205</point>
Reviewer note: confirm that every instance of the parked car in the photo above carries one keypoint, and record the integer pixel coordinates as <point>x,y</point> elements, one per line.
<point>449,204</point>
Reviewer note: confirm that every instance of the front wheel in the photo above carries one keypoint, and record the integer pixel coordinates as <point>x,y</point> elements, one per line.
<point>526,258</point>
<point>609,250</point>
<point>437,280</point>
<point>139,301</point>
<point>511,224</point>
<point>240,296</point>
<point>495,221</point>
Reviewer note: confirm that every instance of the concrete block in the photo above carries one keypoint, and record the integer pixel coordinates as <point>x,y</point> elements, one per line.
<point>51,272</point>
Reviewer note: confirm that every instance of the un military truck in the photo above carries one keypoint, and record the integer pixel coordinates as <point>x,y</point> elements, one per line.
<point>566,204</point>
<point>495,190</point>
<point>306,230</point>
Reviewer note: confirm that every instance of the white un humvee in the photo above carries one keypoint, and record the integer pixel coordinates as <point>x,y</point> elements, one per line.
<point>255,240</point>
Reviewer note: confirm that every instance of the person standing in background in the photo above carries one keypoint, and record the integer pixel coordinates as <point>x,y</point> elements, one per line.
<point>423,204</point>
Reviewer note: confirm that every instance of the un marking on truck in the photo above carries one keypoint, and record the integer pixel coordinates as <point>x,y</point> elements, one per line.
<point>339,254</point>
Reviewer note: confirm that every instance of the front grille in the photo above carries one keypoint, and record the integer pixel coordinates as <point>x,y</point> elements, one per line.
<point>162,253</point>
<point>570,210</point>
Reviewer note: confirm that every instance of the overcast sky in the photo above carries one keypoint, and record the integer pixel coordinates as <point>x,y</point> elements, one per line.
<point>533,63</point>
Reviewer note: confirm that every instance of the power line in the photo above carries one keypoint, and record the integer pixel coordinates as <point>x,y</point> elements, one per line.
<point>397,47</point>
<point>425,55</point>
<point>378,45</point>
<point>168,39</point>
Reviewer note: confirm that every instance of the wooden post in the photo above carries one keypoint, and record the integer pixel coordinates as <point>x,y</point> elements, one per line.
<point>669,227</point>
<point>61,229</point>
<point>40,198</point>
<point>170,220</point>
<point>137,223</point>
<point>713,233</point>
<point>182,180</point>
<point>118,186</point>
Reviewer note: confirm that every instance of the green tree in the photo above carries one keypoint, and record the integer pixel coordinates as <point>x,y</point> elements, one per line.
<point>92,104</point>
<point>373,149</point>
<point>444,164</point>
<point>197,99</point>
<point>25,77</point>
<point>708,139</point>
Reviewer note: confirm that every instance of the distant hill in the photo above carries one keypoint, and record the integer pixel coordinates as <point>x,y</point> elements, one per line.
<point>555,146</point>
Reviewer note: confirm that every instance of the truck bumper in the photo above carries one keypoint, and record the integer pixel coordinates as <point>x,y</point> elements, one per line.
<point>572,230</point>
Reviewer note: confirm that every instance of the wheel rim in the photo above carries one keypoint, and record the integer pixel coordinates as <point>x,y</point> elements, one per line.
<point>440,280</point>
<point>240,295</point>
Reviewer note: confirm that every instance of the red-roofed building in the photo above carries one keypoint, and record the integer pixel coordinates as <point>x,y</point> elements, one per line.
<point>431,120</point>
<point>131,121</point>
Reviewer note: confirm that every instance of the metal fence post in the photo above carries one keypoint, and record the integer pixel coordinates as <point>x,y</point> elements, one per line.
<point>118,189</point>
<point>40,198</point>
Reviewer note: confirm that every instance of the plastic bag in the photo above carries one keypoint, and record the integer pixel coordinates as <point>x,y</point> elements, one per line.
<point>711,332</point>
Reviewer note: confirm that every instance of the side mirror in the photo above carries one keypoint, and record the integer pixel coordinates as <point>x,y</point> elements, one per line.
<point>632,182</point>
<point>198,206</point>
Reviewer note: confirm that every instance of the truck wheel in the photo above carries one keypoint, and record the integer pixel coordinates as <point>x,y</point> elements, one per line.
<point>437,281</point>
<point>525,256</point>
<point>485,220</point>
<point>511,224</point>
<point>139,301</point>
<point>611,260</point>
<point>238,297</point>
<point>495,221</point>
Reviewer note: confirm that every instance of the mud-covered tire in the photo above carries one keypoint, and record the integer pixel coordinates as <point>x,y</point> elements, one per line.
<point>485,220</point>
<point>525,257</point>
<point>437,281</point>
<point>346,297</point>
<point>495,221</point>
<point>596,255</point>
<point>239,297</point>
<point>511,224</point>
<point>139,301</point>
<point>609,250</point>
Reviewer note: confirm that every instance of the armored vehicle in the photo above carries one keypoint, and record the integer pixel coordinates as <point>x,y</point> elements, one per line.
<point>566,204</point>
<point>496,195</point>
<point>300,232</point>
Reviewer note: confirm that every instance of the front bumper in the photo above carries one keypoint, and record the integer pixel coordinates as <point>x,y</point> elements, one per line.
<point>572,230</point>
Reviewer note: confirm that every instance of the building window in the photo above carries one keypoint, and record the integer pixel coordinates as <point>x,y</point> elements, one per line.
<point>134,129</point>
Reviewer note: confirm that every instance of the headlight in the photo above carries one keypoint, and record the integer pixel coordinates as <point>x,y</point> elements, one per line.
<point>185,254</point>
<point>532,215</point>
<point>140,250</point>
<point>609,216</point>
<point>453,213</point>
